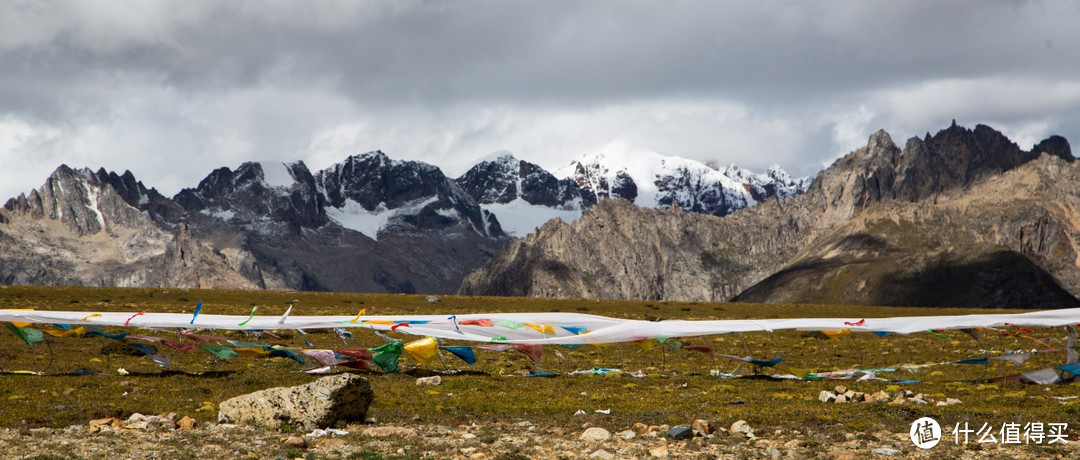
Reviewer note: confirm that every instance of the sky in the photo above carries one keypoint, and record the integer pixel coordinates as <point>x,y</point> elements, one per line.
<point>174,89</point>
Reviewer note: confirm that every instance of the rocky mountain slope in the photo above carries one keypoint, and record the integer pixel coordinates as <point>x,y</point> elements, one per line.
<point>368,224</point>
<point>964,218</point>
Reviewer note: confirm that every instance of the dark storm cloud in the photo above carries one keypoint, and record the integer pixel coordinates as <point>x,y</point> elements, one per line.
<point>138,84</point>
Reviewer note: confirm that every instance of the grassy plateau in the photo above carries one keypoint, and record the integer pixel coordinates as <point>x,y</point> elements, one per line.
<point>673,386</point>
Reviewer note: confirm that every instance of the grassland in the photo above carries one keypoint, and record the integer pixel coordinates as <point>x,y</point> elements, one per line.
<point>677,386</point>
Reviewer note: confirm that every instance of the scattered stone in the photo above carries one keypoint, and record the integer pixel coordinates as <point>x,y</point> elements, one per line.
<point>742,428</point>
<point>640,428</point>
<point>433,299</point>
<point>659,451</point>
<point>602,454</point>
<point>186,423</point>
<point>295,441</point>
<point>433,380</point>
<point>880,396</point>
<point>628,434</point>
<point>702,426</point>
<point>773,452</point>
<point>468,436</point>
<point>840,389</point>
<point>680,432</point>
<point>322,403</point>
<point>952,401</point>
<point>387,431</point>
<point>105,424</point>
<point>595,434</point>
<point>840,399</point>
<point>467,450</point>
<point>885,451</point>
<point>843,455</point>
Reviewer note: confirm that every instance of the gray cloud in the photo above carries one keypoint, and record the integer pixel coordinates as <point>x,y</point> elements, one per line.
<point>171,90</point>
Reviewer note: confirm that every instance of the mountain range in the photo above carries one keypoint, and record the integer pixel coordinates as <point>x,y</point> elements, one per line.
<point>368,224</point>
<point>961,218</point>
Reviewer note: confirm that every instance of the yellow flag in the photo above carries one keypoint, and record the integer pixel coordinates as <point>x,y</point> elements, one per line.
<point>251,351</point>
<point>423,351</point>
<point>836,333</point>
<point>646,344</point>
<point>800,373</point>
<point>543,329</point>
<point>79,331</point>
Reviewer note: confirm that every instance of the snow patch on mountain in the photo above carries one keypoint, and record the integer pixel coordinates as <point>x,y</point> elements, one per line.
<point>353,216</point>
<point>277,174</point>
<point>519,217</point>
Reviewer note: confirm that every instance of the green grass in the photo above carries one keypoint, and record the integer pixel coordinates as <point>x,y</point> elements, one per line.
<point>677,389</point>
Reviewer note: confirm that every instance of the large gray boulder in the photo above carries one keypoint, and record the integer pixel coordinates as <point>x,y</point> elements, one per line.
<point>318,404</point>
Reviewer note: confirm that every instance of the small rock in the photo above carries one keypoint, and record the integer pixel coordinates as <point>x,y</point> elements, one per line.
<point>653,429</point>
<point>773,452</point>
<point>885,451</point>
<point>602,454</point>
<point>659,452</point>
<point>524,423</point>
<point>295,441</point>
<point>628,434</point>
<point>850,394</point>
<point>701,426</point>
<point>468,436</point>
<point>640,428</point>
<point>840,389</point>
<point>595,434</point>
<point>952,401</point>
<point>97,425</point>
<point>186,423</point>
<point>386,431</point>
<point>826,396</point>
<point>433,299</point>
<point>880,396</point>
<point>941,403</point>
<point>742,428</point>
<point>843,455</point>
<point>840,399</point>
<point>467,450</point>
<point>680,432</point>
<point>433,380</point>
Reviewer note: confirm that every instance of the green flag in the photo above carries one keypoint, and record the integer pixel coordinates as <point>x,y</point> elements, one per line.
<point>386,356</point>
<point>220,351</point>
<point>28,334</point>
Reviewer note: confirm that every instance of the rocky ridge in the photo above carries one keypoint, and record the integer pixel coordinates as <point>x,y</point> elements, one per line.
<point>262,226</point>
<point>962,205</point>
<point>369,223</point>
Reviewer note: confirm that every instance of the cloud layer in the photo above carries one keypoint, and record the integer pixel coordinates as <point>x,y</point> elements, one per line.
<point>173,89</point>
